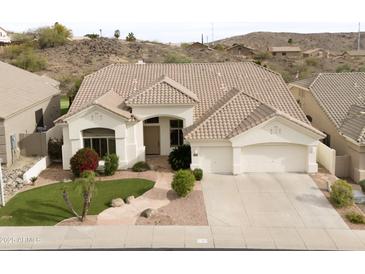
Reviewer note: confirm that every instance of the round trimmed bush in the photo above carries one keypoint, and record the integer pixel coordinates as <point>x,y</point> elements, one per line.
<point>198,174</point>
<point>84,159</point>
<point>183,182</point>
<point>111,163</point>
<point>341,194</point>
<point>355,218</point>
<point>140,167</point>
<point>180,157</point>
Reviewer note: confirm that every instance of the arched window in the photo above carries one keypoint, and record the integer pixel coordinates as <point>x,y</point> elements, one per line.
<point>101,140</point>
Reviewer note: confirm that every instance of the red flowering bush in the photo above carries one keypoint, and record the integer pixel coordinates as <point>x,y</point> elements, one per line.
<point>84,159</point>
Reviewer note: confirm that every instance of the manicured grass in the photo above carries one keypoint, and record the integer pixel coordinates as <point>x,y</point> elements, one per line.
<point>45,205</point>
<point>64,104</point>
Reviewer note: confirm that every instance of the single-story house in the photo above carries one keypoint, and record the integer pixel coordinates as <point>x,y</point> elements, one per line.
<point>27,102</point>
<point>239,49</point>
<point>335,104</point>
<point>285,51</point>
<point>317,52</point>
<point>4,37</point>
<point>237,117</point>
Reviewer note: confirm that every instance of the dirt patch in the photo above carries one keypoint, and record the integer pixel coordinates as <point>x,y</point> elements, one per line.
<point>321,179</point>
<point>180,211</point>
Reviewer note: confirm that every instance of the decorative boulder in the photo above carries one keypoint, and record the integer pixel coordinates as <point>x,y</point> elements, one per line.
<point>147,212</point>
<point>129,199</point>
<point>118,202</point>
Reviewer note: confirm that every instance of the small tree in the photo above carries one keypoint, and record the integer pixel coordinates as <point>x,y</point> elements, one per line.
<point>130,37</point>
<point>86,185</point>
<point>117,33</point>
<point>53,36</point>
<point>290,41</point>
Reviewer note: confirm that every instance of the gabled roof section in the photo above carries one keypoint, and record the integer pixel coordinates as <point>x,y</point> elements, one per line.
<point>164,91</point>
<point>304,83</point>
<point>110,101</point>
<point>234,114</point>
<point>353,125</point>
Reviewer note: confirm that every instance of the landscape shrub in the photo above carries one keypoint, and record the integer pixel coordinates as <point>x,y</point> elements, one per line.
<point>84,159</point>
<point>53,36</point>
<point>219,47</point>
<point>183,182</point>
<point>140,167</point>
<point>55,148</point>
<point>180,157</point>
<point>355,218</point>
<point>262,55</point>
<point>176,58</point>
<point>198,174</point>
<point>111,163</point>
<point>341,194</point>
<point>344,68</point>
<point>130,37</point>
<point>29,60</point>
<point>362,185</point>
<point>92,35</point>
<point>312,61</point>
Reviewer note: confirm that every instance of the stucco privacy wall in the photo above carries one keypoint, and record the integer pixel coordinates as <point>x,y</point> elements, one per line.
<point>287,146</point>
<point>2,142</point>
<point>326,156</point>
<point>357,163</point>
<point>25,122</point>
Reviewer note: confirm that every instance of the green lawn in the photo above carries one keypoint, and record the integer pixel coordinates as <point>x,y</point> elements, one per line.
<point>45,205</point>
<point>64,104</point>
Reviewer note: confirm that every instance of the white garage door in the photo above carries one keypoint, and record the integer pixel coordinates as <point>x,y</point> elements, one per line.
<point>216,159</point>
<point>274,158</point>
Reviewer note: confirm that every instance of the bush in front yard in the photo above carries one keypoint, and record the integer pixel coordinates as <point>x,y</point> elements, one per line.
<point>355,218</point>
<point>180,157</point>
<point>362,185</point>
<point>84,159</point>
<point>341,194</point>
<point>111,163</point>
<point>140,167</point>
<point>198,174</point>
<point>183,182</point>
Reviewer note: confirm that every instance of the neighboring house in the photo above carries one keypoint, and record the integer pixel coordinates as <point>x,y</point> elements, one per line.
<point>355,54</point>
<point>239,49</point>
<point>4,38</point>
<point>289,52</point>
<point>317,52</point>
<point>237,117</point>
<point>334,103</point>
<point>27,102</point>
<point>198,45</point>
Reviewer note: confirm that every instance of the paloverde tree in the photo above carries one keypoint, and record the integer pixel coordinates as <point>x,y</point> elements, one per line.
<point>86,186</point>
<point>117,33</point>
<point>53,36</point>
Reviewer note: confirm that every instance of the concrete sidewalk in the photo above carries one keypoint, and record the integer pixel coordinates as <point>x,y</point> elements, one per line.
<point>201,237</point>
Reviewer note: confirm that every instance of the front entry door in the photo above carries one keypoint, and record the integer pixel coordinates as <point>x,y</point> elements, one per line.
<point>151,137</point>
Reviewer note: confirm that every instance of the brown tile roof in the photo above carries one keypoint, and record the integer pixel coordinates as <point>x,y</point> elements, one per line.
<point>353,126</point>
<point>207,84</point>
<point>20,89</point>
<point>305,83</point>
<point>235,113</point>
<point>285,49</point>
<point>164,91</point>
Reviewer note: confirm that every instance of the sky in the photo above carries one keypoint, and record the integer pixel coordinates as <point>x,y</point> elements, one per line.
<point>184,20</point>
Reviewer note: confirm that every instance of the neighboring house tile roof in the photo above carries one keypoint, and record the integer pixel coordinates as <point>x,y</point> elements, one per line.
<point>164,91</point>
<point>336,93</point>
<point>285,49</point>
<point>356,52</point>
<point>20,89</point>
<point>206,86</point>
<point>305,83</point>
<point>353,126</point>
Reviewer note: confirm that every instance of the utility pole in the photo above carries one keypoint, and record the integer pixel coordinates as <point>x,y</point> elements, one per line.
<point>202,38</point>
<point>101,33</point>
<point>358,39</point>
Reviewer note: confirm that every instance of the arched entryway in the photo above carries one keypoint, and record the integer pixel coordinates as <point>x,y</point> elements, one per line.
<point>102,140</point>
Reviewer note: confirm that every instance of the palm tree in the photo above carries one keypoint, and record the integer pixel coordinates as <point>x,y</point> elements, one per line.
<point>86,185</point>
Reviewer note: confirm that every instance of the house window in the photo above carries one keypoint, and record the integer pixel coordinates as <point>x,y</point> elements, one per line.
<point>327,140</point>
<point>39,118</point>
<point>102,146</point>
<point>154,120</point>
<point>283,53</point>
<point>176,134</point>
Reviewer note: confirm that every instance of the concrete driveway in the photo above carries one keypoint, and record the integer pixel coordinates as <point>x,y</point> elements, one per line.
<point>264,200</point>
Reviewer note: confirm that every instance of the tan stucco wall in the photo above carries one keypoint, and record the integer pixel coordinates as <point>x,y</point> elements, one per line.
<point>2,142</point>
<point>25,122</point>
<point>321,121</point>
